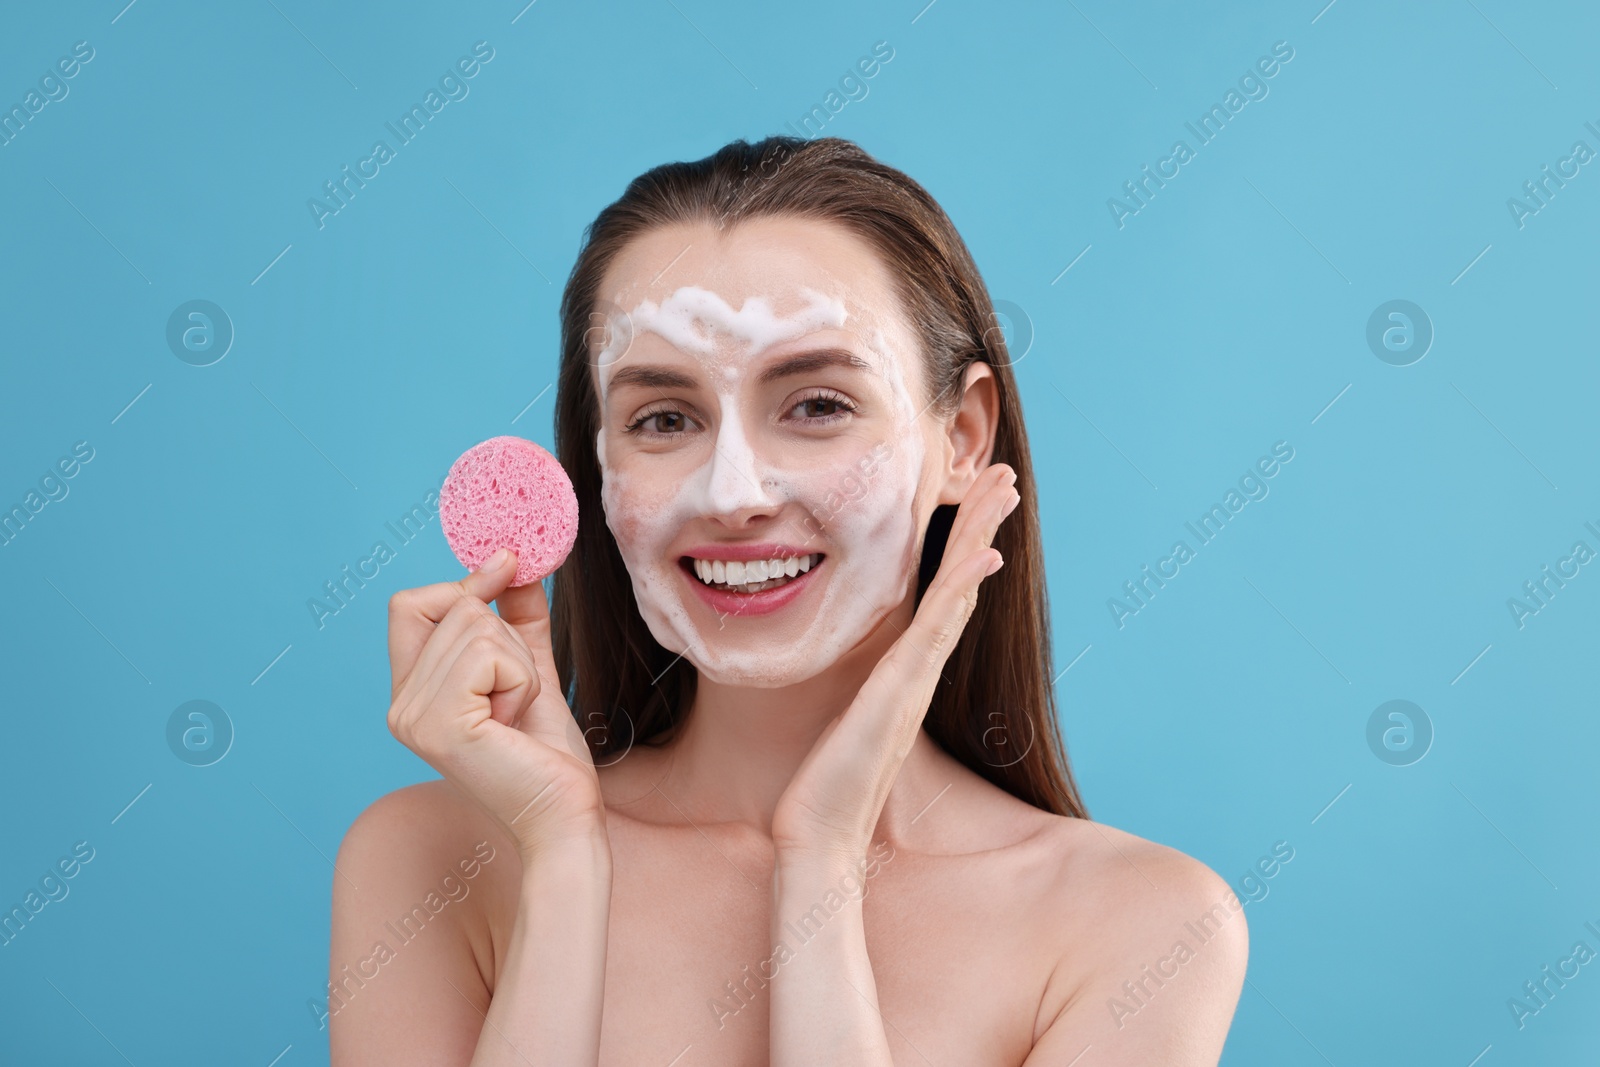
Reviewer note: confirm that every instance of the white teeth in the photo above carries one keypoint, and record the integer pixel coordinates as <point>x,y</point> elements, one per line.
<point>753,575</point>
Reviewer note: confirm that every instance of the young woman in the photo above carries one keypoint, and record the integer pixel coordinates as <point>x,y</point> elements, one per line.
<point>779,779</point>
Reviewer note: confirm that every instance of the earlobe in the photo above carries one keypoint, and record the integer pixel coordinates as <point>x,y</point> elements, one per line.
<point>972,431</point>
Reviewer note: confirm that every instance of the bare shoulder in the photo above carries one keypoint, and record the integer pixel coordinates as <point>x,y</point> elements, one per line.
<point>1152,947</point>
<point>1129,884</point>
<point>418,828</point>
<point>415,876</point>
<point>1097,885</point>
<point>412,840</point>
<point>420,805</point>
<point>1126,871</point>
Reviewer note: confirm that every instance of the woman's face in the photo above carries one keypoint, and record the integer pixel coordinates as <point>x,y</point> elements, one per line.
<point>762,409</point>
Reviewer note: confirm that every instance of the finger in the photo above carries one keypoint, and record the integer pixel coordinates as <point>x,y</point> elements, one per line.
<point>967,560</point>
<point>525,608</point>
<point>981,511</point>
<point>441,645</point>
<point>897,693</point>
<point>413,613</point>
<point>903,682</point>
<point>472,618</point>
<point>469,619</point>
<point>945,609</point>
<point>486,668</point>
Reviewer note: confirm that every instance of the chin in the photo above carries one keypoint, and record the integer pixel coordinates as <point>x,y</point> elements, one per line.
<point>716,659</point>
<point>721,661</point>
<point>743,676</point>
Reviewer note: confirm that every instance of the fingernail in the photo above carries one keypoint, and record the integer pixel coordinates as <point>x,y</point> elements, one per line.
<point>496,561</point>
<point>999,562</point>
<point>1012,506</point>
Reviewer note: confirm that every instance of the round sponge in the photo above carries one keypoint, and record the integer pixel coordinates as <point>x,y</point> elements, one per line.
<point>509,493</point>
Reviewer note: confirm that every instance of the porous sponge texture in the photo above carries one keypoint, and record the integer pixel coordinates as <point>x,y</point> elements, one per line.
<point>508,492</point>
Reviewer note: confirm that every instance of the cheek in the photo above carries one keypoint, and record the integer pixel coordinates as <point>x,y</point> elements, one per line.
<point>642,509</point>
<point>875,508</point>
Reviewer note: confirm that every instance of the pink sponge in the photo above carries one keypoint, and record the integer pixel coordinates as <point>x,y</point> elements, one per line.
<point>509,493</point>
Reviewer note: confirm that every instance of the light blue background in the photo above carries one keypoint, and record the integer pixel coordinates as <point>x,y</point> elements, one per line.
<point>1224,317</point>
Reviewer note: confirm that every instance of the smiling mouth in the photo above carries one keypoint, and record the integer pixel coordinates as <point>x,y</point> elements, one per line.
<point>750,576</point>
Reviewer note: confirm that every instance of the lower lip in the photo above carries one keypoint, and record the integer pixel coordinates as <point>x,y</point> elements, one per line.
<point>762,603</point>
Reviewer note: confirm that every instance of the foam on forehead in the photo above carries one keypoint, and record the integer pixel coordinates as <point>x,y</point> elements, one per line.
<point>692,318</point>
<point>902,396</point>
<point>754,323</point>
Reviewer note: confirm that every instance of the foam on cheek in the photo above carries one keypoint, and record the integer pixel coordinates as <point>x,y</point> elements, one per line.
<point>870,534</point>
<point>644,514</point>
<point>870,539</point>
<point>876,533</point>
<point>871,542</point>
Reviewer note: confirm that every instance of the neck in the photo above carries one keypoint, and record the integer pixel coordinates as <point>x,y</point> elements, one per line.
<point>740,747</point>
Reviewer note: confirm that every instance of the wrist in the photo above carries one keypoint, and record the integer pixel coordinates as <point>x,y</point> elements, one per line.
<point>585,848</point>
<point>811,872</point>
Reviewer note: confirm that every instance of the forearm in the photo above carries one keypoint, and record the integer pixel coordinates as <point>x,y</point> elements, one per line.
<point>823,999</point>
<point>545,1010</point>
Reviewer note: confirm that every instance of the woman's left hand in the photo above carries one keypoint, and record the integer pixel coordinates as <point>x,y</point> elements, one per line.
<point>831,807</point>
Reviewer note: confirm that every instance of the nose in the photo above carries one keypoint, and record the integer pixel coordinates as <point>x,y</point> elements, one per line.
<point>735,490</point>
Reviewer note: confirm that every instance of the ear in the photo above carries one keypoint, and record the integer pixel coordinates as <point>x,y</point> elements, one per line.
<point>971,432</point>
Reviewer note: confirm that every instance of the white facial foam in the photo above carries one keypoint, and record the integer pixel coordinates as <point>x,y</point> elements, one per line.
<point>870,539</point>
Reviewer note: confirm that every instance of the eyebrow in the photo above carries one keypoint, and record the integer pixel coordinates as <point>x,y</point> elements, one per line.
<point>656,377</point>
<point>651,378</point>
<point>814,360</point>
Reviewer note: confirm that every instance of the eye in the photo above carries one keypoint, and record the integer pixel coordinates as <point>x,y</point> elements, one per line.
<point>823,406</point>
<point>669,422</point>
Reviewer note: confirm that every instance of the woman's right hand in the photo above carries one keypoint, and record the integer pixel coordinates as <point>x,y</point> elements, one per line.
<point>476,695</point>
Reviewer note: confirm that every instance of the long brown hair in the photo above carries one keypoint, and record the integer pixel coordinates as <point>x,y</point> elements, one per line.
<point>995,698</point>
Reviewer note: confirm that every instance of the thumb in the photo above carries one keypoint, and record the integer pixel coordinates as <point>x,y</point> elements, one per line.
<point>491,578</point>
<point>525,608</point>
